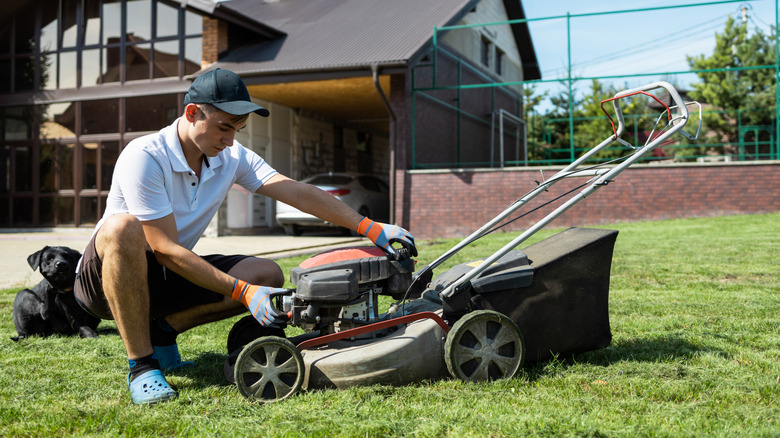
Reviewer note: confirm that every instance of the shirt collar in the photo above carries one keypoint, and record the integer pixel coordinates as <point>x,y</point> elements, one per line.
<point>178,162</point>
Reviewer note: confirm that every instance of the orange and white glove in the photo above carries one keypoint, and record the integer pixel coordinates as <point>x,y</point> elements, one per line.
<point>258,300</point>
<point>384,235</point>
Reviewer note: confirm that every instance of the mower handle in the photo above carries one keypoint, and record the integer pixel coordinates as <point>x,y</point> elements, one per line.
<point>678,102</point>
<point>677,123</point>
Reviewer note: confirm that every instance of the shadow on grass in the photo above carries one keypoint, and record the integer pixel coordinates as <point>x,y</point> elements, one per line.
<point>103,331</point>
<point>209,371</point>
<point>659,349</point>
<point>668,348</point>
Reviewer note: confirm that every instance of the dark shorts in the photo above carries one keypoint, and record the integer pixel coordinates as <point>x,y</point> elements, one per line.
<point>168,292</point>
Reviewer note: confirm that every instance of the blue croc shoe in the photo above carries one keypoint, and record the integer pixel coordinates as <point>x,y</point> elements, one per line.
<point>169,358</point>
<point>150,388</point>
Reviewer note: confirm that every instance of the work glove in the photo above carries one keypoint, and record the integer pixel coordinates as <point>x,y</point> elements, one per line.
<point>258,300</point>
<point>384,235</point>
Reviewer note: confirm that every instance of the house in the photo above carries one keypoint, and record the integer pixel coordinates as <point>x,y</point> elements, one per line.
<point>374,86</point>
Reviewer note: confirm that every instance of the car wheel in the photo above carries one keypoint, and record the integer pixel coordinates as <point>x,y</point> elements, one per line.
<point>293,230</point>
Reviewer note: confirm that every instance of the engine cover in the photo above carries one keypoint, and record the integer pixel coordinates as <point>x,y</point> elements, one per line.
<point>367,266</point>
<point>331,286</point>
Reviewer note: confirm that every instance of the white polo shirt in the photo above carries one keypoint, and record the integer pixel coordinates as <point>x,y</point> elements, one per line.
<point>152,180</point>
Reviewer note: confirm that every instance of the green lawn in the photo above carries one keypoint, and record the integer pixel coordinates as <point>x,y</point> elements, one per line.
<point>694,309</point>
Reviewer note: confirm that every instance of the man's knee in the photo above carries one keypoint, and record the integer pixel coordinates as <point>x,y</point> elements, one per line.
<point>121,231</point>
<point>258,271</point>
<point>277,276</point>
<point>122,225</point>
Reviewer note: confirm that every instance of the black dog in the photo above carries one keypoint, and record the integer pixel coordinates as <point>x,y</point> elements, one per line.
<point>50,307</point>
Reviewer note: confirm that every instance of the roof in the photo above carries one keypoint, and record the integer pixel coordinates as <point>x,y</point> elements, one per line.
<point>212,7</point>
<point>514,9</point>
<point>206,6</point>
<point>338,35</point>
<point>325,50</point>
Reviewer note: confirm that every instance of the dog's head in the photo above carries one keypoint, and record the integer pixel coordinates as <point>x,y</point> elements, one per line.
<point>57,265</point>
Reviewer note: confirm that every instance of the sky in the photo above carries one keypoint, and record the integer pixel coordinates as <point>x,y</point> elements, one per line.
<point>635,43</point>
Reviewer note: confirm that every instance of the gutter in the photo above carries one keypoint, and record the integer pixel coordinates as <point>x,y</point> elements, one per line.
<point>393,126</point>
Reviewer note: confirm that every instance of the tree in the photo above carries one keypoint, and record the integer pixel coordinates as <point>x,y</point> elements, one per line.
<point>746,96</point>
<point>591,126</point>
<point>533,121</point>
<point>555,131</point>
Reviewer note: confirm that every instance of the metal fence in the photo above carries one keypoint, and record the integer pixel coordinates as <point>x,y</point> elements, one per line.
<point>533,139</point>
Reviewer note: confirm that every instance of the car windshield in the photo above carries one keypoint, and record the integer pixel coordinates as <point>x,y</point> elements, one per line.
<point>329,180</point>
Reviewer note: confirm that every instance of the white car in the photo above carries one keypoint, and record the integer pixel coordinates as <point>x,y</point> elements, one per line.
<point>366,194</point>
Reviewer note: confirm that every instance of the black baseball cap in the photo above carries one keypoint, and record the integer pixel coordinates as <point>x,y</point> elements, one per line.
<point>225,90</point>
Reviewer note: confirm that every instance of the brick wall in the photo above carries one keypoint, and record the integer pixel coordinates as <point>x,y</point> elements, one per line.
<point>215,40</point>
<point>454,204</point>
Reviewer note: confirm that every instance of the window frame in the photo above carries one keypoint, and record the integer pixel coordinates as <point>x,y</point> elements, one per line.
<point>57,77</point>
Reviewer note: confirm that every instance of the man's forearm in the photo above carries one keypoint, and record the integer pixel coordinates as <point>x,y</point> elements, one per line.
<point>329,208</point>
<point>310,199</point>
<point>161,236</point>
<point>195,269</point>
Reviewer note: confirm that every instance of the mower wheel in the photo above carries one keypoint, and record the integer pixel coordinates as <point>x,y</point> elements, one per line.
<point>484,345</point>
<point>269,369</point>
<point>246,330</point>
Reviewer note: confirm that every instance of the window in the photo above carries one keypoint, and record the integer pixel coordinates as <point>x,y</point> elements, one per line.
<point>364,157</point>
<point>138,16</point>
<point>499,65</point>
<point>485,51</point>
<point>150,113</point>
<point>23,160</point>
<point>339,180</point>
<point>48,166</point>
<point>339,154</point>
<point>364,142</point>
<point>83,43</point>
<point>61,173</point>
<point>57,159</point>
<point>17,63</point>
<point>374,184</point>
<point>100,116</point>
<point>92,29</point>
<point>5,172</point>
<point>109,155</point>
<point>67,164</point>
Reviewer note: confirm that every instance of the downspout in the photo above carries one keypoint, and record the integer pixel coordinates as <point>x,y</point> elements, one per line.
<point>393,124</point>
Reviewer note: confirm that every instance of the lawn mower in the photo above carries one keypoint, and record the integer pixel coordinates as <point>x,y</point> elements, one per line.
<point>477,321</point>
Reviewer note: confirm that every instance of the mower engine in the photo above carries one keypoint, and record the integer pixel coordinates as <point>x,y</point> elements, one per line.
<point>338,290</point>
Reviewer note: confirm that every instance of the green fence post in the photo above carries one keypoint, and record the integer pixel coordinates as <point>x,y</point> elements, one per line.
<point>571,93</point>
<point>777,86</point>
<point>740,139</point>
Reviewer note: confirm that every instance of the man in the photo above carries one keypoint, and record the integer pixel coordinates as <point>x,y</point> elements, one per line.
<point>139,268</point>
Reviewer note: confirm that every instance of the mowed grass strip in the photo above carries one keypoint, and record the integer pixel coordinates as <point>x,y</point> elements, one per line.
<point>695,352</point>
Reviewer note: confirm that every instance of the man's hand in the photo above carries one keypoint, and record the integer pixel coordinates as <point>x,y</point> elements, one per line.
<point>258,300</point>
<point>384,235</point>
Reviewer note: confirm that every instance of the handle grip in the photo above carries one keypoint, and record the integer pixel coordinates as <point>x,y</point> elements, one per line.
<point>678,101</point>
